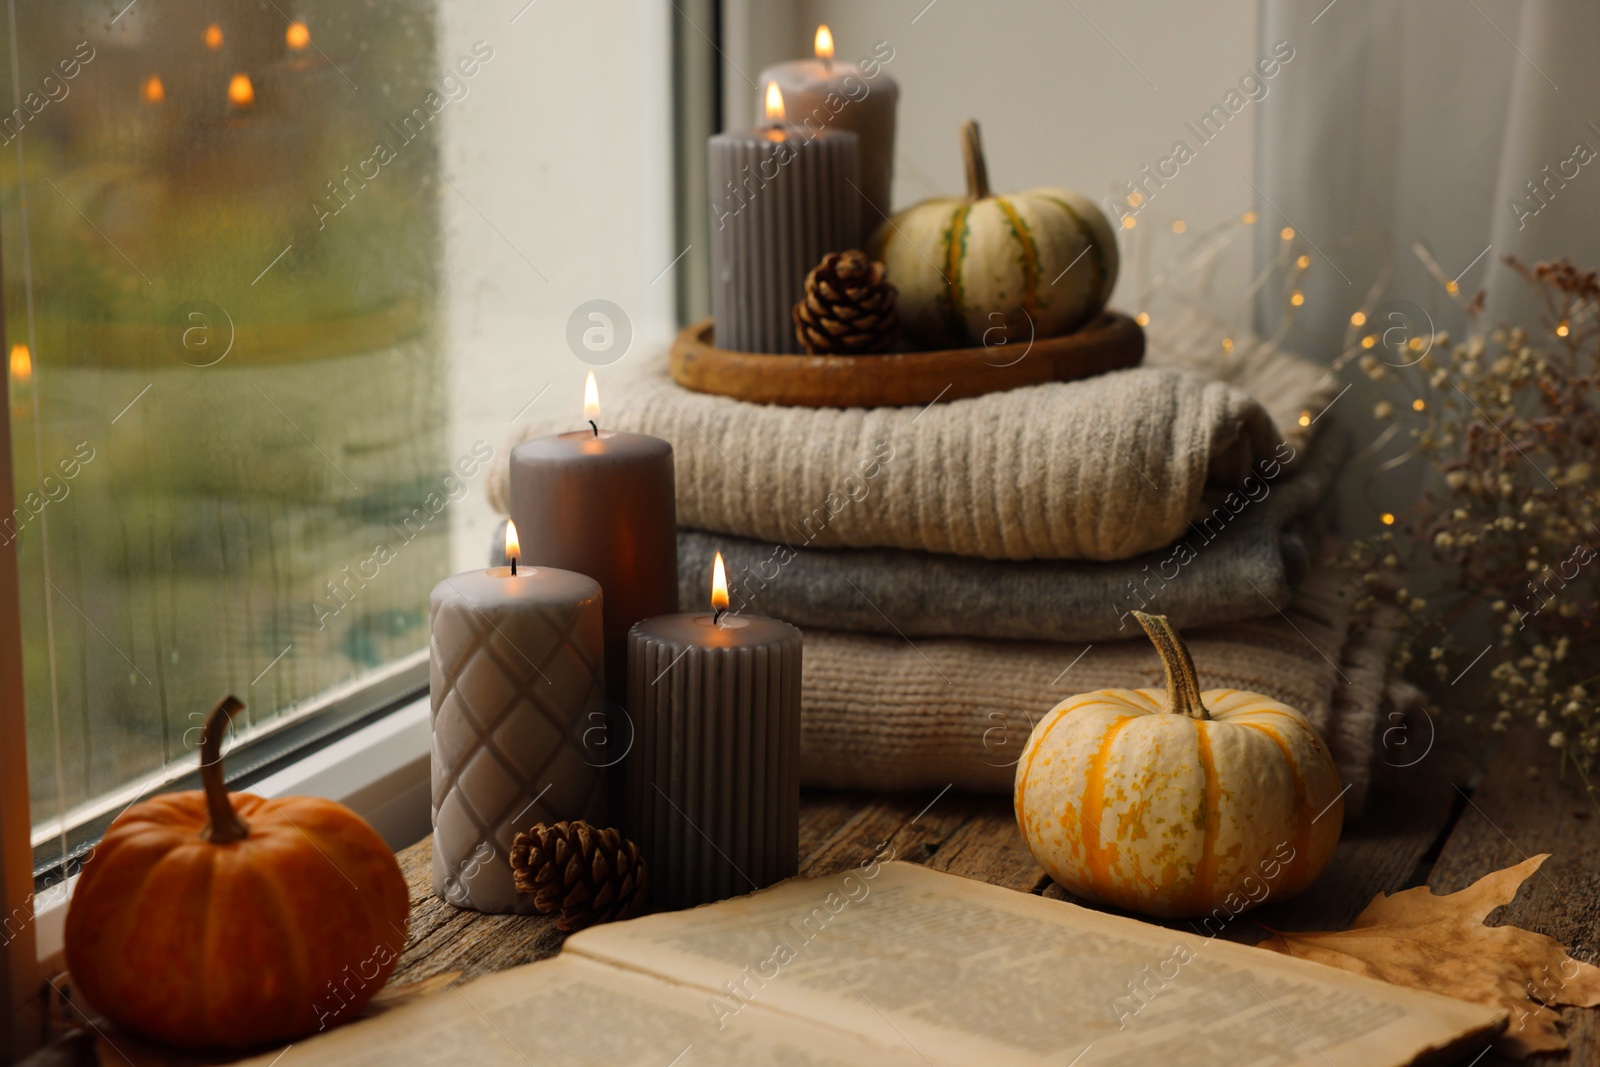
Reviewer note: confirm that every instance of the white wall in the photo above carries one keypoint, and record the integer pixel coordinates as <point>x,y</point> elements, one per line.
<point>1081,94</point>
<point>561,166</point>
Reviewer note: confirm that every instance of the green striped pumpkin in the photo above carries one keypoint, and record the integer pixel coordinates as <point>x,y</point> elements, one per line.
<point>991,270</point>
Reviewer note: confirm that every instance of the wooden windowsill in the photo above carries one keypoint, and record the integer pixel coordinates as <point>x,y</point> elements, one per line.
<point>1422,827</point>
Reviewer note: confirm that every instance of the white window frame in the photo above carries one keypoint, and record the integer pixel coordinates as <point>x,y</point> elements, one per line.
<point>380,770</point>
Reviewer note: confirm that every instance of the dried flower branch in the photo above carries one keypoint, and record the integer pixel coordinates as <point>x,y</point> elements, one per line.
<point>1510,421</point>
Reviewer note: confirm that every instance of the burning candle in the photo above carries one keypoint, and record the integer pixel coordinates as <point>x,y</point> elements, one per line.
<point>781,199</point>
<point>600,502</point>
<point>516,684</point>
<point>826,93</point>
<point>712,793</point>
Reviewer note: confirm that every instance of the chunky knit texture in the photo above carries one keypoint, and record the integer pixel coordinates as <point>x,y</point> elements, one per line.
<point>1243,561</point>
<point>1103,469</point>
<point>1099,469</point>
<point>889,713</point>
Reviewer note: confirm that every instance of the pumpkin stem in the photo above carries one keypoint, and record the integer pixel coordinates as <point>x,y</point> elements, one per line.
<point>1183,688</point>
<point>972,155</point>
<point>222,823</point>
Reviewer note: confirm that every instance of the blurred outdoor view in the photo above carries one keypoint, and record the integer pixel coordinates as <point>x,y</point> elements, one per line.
<point>221,302</point>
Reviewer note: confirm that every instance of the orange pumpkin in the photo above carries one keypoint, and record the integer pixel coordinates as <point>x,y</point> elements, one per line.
<point>213,920</point>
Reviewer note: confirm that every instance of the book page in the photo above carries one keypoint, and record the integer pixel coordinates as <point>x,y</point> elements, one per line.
<point>957,971</point>
<point>573,1012</point>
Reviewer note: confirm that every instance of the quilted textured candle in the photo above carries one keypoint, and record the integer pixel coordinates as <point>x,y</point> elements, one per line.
<point>517,692</point>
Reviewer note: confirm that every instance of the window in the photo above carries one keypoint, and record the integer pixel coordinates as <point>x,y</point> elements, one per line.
<point>279,281</point>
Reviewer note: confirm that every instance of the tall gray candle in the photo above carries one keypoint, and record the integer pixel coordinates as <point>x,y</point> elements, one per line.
<point>781,199</point>
<point>712,793</point>
<point>600,502</point>
<point>824,93</point>
<point>515,680</point>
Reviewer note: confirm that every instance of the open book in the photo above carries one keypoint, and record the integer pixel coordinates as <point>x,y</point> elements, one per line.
<point>895,964</point>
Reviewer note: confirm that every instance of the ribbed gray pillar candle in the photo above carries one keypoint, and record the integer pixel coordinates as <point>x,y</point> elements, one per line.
<point>781,199</point>
<point>713,779</point>
<point>839,95</point>
<point>517,693</point>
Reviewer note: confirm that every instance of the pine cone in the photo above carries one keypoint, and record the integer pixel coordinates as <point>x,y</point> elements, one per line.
<point>848,308</point>
<point>583,874</point>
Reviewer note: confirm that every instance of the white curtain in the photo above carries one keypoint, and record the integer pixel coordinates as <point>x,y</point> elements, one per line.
<point>1424,122</point>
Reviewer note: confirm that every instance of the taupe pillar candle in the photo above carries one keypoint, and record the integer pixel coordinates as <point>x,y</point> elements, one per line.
<point>602,504</point>
<point>825,93</point>
<point>781,199</point>
<point>516,685</point>
<point>712,792</point>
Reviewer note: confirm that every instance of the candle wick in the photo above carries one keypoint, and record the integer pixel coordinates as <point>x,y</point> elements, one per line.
<point>595,428</point>
<point>716,617</point>
<point>513,566</point>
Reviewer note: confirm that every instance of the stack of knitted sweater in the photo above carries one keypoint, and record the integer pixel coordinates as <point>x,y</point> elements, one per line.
<point>961,568</point>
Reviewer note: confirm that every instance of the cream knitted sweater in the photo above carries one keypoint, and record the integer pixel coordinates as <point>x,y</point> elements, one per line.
<point>890,713</point>
<point>1099,469</point>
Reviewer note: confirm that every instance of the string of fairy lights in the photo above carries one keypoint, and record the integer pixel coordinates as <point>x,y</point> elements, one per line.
<point>153,92</point>
<point>1291,262</point>
<point>241,91</point>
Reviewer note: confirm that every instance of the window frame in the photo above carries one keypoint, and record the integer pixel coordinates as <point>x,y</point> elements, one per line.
<point>366,745</point>
<point>21,979</point>
<point>293,735</point>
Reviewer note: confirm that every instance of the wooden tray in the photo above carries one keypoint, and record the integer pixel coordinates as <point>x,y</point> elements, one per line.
<point>1110,342</point>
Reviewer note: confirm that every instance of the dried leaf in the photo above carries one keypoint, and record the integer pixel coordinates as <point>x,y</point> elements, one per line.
<point>1439,943</point>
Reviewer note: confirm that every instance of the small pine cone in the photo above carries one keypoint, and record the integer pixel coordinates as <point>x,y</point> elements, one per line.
<point>848,309</point>
<point>583,874</point>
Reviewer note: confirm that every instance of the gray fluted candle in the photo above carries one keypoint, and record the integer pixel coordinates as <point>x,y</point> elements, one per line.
<point>516,686</point>
<point>781,199</point>
<point>713,780</point>
<point>840,95</point>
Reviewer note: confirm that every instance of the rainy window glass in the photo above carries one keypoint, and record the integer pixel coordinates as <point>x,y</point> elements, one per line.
<point>280,281</point>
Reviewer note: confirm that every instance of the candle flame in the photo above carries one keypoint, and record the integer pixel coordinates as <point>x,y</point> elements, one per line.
<point>297,36</point>
<point>513,546</point>
<point>213,37</point>
<point>591,400</point>
<point>153,91</point>
<point>774,103</point>
<point>824,43</point>
<point>21,363</point>
<point>240,92</point>
<point>719,585</point>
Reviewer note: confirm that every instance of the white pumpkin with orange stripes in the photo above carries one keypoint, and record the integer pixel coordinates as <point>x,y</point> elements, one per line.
<point>1178,803</point>
<point>997,270</point>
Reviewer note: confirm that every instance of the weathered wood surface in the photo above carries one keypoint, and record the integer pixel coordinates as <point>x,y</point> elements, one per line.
<point>1522,808</point>
<point>1434,821</point>
<point>1426,822</point>
<point>976,837</point>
